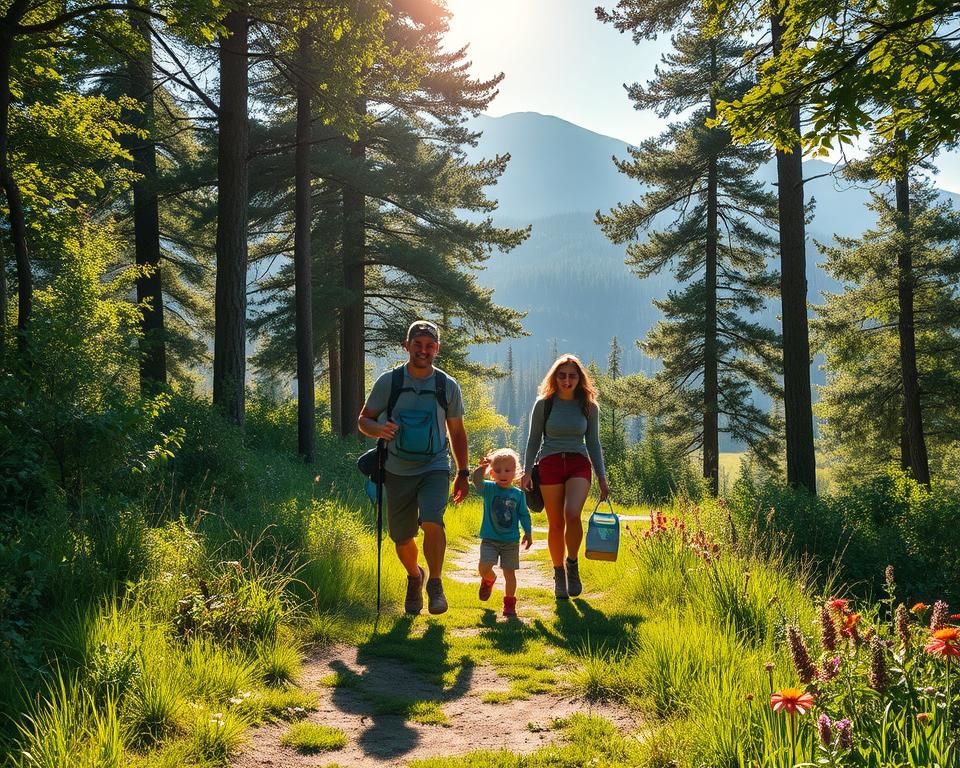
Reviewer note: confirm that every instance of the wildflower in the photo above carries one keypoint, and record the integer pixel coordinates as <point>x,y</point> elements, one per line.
<point>930,690</point>
<point>944,642</point>
<point>878,667</point>
<point>955,617</point>
<point>838,604</point>
<point>869,634</point>
<point>792,700</point>
<point>888,579</point>
<point>844,730</point>
<point>918,608</point>
<point>800,654</point>
<point>828,630</point>
<point>849,630</point>
<point>938,619</point>
<point>769,666</point>
<point>923,717</point>
<point>825,728</point>
<point>749,697</point>
<point>830,668</point>
<point>902,623</point>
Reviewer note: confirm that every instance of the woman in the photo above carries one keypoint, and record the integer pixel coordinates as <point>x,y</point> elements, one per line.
<point>564,432</point>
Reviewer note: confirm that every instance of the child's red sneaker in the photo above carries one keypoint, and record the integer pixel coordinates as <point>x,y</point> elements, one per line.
<point>486,587</point>
<point>510,606</point>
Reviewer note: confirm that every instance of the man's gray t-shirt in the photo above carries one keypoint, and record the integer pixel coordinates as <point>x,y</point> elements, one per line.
<point>380,397</point>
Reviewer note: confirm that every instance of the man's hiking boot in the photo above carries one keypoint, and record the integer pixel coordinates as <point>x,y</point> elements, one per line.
<point>574,586</point>
<point>560,583</point>
<point>510,607</point>
<point>436,600</point>
<point>414,600</point>
<point>486,587</point>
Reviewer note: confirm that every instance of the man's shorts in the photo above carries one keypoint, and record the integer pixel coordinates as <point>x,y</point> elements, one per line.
<point>507,553</point>
<point>557,468</point>
<point>415,499</point>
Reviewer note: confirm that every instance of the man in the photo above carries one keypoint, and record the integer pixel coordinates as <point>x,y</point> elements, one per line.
<point>423,421</point>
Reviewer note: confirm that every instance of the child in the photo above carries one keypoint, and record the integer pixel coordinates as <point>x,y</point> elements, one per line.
<point>504,511</point>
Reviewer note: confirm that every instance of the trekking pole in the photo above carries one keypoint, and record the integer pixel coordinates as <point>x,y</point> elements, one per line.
<point>381,455</point>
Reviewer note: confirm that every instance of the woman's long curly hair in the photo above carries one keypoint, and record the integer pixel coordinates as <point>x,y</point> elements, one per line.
<point>585,393</point>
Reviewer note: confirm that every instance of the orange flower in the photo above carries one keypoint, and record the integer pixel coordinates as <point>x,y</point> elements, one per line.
<point>919,608</point>
<point>849,622</point>
<point>838,604</point>
<point>944,642</point>
<point>792,700</point>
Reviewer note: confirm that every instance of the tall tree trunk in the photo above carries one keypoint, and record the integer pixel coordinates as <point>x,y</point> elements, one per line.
<point>912,413</point>
<point>711,429</point>
<point>146,215</point>
<point>352,316</point>
<point>797,400</point>
<point>18,224</point>
<point>303,255</point>
<point>333,374</point>
<point>230,303</point>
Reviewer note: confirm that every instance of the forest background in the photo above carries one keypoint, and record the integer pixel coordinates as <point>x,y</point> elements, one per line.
<point>219,219</point>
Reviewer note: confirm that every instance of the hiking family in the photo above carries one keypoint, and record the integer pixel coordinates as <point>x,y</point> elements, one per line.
<point>417,410</point>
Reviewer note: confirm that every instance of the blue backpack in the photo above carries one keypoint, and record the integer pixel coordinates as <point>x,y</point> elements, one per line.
<point>419,439</point>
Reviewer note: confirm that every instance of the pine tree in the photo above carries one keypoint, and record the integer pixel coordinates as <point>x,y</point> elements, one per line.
<point>859,330</point>
<point>718,247</point>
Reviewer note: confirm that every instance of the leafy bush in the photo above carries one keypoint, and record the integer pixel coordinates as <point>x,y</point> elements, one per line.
<point>888,519</point>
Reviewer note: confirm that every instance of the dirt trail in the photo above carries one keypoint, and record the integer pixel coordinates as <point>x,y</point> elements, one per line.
<point>390,740</point>
<point>375,740</point>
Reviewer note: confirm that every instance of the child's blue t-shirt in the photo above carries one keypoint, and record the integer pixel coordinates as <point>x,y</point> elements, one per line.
<point>504,511</point>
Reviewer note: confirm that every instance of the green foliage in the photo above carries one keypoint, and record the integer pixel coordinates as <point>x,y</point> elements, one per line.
<point>856,532</point>
<point>865,66</point>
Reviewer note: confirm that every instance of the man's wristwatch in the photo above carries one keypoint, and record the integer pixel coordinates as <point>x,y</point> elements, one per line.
<point>463,473</point>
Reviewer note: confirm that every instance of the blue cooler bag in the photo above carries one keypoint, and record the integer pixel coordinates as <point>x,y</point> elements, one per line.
<point>603,534</point>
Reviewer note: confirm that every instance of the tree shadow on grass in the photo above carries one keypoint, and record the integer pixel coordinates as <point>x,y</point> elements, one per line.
<point>580,625</point>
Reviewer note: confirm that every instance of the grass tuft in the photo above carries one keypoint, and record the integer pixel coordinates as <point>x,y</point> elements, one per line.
<point>311,738</point>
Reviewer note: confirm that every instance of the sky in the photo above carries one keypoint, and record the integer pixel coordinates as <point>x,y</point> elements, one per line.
<point>559,60</point>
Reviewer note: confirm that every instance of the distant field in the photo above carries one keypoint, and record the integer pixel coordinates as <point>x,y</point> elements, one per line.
<point>730,471</point>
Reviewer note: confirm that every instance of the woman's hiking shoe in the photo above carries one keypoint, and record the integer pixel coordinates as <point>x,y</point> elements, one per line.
<point>510,606</point>
<point>486,588</point>
<point>574,586</point>
<point>560,583</point>
<point>414,600</point>
<point>436,600</point>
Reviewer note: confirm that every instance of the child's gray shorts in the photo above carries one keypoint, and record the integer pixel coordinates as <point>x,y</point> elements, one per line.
<point>507,553</point>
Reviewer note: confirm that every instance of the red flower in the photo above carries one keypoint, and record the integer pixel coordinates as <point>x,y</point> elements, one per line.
<point>944,642</point>
<point>919,608</point>
<point>792,700</point>
<point>838,604</point>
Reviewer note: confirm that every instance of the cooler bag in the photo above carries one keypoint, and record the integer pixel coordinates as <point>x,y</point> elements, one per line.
<point>603,534</point>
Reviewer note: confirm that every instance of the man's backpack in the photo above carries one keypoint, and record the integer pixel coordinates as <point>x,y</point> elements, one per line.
<point>420,427</point>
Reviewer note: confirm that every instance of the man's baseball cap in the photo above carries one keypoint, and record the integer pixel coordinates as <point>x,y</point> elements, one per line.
<point>423,328</point>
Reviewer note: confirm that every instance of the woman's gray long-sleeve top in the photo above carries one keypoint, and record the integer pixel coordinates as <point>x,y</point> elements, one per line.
<point>567,431</point>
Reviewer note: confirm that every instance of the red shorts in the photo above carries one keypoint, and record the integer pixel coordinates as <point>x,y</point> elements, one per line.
<point>557,468</point>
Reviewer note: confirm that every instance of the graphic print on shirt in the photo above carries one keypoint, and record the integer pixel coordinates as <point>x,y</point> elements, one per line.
<point>503,513</point>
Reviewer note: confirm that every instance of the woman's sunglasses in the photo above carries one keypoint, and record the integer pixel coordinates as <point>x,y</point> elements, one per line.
<point>562,375</point>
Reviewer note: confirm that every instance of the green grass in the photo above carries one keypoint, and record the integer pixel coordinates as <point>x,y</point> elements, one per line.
<point>310,738</point>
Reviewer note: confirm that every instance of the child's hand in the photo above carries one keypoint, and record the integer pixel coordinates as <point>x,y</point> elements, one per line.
<point>483,463</point>
<point>527,540</point>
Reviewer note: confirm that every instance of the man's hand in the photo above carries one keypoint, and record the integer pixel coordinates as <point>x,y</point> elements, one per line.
<point>461,487</point>
<point>388,430</point>
<point>527,540</point>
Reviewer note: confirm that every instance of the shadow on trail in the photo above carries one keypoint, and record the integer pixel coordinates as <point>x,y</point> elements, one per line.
<point>385,693</point>
<point>506,636</point>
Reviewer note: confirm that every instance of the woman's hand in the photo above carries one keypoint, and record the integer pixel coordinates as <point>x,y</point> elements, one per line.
<point>526,482</point>
<point>604,490</point>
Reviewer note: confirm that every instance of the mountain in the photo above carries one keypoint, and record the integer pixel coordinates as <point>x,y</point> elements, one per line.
<point>571,281</point>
